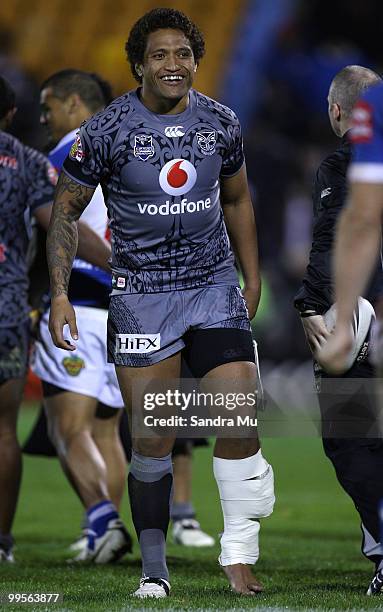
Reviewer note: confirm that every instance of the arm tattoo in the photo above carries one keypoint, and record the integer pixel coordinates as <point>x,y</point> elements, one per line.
<point>71,199</point>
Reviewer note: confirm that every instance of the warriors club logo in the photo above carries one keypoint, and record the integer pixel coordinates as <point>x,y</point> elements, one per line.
<point>178,177</point>
<point>206,141</point>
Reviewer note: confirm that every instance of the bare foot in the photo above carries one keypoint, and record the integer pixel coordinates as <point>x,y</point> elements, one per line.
<point>242,580</point>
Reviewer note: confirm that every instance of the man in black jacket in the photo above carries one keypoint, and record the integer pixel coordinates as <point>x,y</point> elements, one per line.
<point>346,403</point>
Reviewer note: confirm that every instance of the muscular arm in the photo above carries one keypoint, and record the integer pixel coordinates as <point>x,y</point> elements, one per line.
<point>91,247</point>
<point>71,199</point>
<point>357,246</point>
<point>356,250</point>
<point>241,227</point>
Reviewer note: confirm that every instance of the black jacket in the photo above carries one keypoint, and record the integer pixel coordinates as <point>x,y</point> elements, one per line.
<point>329,196</point>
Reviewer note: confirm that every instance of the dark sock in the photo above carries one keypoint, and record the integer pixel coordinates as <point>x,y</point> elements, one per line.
<point>6,542</point>
<point>150,486</point>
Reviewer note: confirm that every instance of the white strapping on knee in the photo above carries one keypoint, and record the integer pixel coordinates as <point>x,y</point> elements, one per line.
<point>246,488</point>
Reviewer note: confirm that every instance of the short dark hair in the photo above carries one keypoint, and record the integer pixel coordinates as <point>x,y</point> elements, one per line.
<point>349,84</point>
<point>7,97</point>
<point>70,81</point>
<point>158,19</point>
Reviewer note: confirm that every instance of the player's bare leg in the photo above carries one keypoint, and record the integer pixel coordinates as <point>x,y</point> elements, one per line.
<point>10,460</point>
<point>245,482</point>
<point>107,438</point>
<point>70,420</point>
<point>150,482</point>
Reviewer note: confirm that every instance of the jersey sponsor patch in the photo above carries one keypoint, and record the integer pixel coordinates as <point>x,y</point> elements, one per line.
<point>137,343</point>
<point>73,365</point>
<point>76,152</point>
<point>362,125</point>
<point>178,177</point>
<point>9,162</point>
<point>52,174</point>
<point>143,147</point>
<point>3,249</point>
<point>206,141</point>
<point>325,192</point>
<point>174,131</point>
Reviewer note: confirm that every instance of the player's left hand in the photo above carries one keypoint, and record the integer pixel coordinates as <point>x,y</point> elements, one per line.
<point>332,355</point>
<point>252,297</point>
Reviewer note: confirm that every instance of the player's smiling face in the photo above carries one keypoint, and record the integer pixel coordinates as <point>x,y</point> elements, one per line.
<point>168,70</point>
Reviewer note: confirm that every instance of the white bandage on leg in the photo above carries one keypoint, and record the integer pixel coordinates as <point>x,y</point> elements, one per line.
<point>246,490</point>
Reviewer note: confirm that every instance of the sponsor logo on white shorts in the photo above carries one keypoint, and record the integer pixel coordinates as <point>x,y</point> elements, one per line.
<point>137,343</point>
<point>178,177</point>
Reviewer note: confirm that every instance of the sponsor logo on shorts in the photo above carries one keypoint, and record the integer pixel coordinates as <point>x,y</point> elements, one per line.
<point>178,177</point>
<point>173,131</point>
<point>137,343</point>
<point>143,147</point>
<point>206,140</point>
<point>73,365</point>
<point>76,151</point>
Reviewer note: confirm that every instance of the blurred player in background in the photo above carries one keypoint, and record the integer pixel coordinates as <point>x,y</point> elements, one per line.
<point>27,181</point>
<point>347,403</point>
<point>358,243</point>
<point>81,394</point>
<point>173,274</point>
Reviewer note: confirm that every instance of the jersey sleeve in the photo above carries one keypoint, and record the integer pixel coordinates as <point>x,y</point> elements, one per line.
<point>367,138</point>
<point>41,178</point>
<point>87,159</point>
<point>234,158</point>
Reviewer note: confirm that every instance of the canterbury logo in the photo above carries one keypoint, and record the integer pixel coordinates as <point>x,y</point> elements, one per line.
<point>174,131</point>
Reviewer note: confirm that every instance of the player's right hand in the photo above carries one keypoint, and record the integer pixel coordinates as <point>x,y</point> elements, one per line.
<point>316,332</point>
<point>62,313</point>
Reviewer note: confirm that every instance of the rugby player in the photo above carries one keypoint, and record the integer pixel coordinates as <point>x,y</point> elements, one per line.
<point>81,394</point>
<point>358,240</point>
<point>27,182</point>
<point>171,162</point>
<point>356,456</point>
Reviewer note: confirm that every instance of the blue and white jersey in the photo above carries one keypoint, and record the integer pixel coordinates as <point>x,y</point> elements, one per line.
<point>367,138</point>
<point>27,182</point>
<point>89,285</point>
<point>162,177</point>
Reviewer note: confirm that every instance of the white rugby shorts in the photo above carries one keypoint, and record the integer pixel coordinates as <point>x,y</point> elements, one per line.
<point>85,370</point>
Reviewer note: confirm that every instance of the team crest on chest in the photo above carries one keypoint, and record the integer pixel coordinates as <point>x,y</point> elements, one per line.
<point>143,146</point>
<point>206,141</point>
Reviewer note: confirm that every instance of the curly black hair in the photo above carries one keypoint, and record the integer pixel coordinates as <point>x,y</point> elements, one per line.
<point>157,19</point>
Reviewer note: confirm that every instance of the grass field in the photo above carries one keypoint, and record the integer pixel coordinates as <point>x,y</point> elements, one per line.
<point>310,547</point>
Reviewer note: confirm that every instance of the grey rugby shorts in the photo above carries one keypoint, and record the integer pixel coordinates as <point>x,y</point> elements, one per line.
<point>144,329</point>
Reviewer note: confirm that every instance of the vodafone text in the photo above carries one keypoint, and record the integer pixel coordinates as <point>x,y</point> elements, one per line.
<point>177,208</point>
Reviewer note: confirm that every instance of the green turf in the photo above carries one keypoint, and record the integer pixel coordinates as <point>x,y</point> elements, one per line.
<point>310,547</point>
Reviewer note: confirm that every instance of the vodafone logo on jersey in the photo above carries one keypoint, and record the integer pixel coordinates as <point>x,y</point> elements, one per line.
<point>178,177</point>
